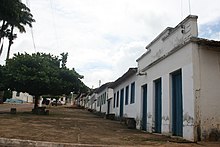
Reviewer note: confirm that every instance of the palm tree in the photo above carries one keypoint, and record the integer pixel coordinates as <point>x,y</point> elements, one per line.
<point>4,15</point>
<point>14,14</point>
<point>22,17</point>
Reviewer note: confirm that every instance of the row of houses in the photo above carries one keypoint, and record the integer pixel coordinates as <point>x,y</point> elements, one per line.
<point>173,91</point>
<point>27,98</point>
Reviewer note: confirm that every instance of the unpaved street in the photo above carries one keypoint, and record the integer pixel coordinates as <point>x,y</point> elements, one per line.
<point>19,107</point>
<point>78,126</point>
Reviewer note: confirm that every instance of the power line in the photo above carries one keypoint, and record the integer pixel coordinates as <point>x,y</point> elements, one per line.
<point>32,33</point>
<point>182,4</point>
<point>189,8</point>
<point>54,26</point>
<point>181,9</point>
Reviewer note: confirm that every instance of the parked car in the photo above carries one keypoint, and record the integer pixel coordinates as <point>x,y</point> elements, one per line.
<point>14,101</point>
<point>56,103</point>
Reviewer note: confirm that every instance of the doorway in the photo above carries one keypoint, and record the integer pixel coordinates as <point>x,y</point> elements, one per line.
<point>144,107</point>
<point>158,105</point>
<point>177,104</point>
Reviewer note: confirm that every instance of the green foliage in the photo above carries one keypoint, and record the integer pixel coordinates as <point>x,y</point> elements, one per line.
<point>3,83</point>
<point>7,94</point>
<point>13,14</point>
<point>32,73</point>
<point>64,59</point>
<point>40,74</point>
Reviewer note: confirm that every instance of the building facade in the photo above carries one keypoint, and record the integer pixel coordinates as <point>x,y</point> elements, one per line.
<point>93,100</point>
<point>22,96</point>
<point>176,90</point>
<point>124,99</point>
<point>104,94</point>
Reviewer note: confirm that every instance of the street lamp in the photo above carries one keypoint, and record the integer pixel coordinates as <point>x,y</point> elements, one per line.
<point>71,101</point>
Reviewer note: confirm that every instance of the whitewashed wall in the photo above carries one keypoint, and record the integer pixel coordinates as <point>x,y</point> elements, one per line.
<point>181,59</point>
<point>102,105</point>
<point>23,96</point>
<point>87,101</point>
<point>93,101</point>
<point>169,52</point>
<point>110,96</point>
<point>129,110</point>
<point>209,92</point>
<point>169,39</point>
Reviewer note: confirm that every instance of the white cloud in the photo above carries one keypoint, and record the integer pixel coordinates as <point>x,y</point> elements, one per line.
<point>104,37</point>
<point>210,30</point>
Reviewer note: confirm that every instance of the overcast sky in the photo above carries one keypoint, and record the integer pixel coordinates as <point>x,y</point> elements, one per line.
<point>105,37</point>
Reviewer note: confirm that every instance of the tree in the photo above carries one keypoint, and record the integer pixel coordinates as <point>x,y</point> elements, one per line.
<point>2,83</point>
<point>64,59</point>
<point>5,13</point>
<point>13,13</point>
<point>2,78</point>
<point>40,74</point>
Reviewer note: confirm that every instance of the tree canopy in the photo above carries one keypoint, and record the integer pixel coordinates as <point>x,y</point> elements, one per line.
<point>41,74</point>
<point>2,79</point>
<point>64,59</point>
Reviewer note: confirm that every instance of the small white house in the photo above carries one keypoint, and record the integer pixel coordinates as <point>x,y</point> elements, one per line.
<point>178,84</point>
<point>93,100</point>
<point>22,96</point>
<point>103,94</point>
<point>86,101</point>
<point>80,99</point>
<point>77,99</point>
<point>110,96</point>
<point>125,99</point>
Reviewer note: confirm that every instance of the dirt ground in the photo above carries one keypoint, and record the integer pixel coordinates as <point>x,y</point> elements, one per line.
<point>70,125</point>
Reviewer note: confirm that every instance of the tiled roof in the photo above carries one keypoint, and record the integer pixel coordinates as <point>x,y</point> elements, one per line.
<point>129,73</point>
<point>202,41</point>
<point>101,88</point>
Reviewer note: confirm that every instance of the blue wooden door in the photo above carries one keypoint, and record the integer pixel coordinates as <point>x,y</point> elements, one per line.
<point>177,104</point>
<point>108,106</point>
<point>144,111</point>
<point>158,105</point>
<point>121,102</point>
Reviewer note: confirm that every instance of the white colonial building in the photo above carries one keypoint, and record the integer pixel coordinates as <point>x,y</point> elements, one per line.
<point>175,89</point>
<point>103,94</point>
<point>125,98</point>
<point>93,100</point>
<point>22,96</point>
<point>178,83</point>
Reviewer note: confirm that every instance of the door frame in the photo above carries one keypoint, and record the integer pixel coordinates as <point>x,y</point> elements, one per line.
<point>177,104</point>
<point>158,104</point>
<point>121,109</point>
<point>108,106</point>
<point>144,107</point>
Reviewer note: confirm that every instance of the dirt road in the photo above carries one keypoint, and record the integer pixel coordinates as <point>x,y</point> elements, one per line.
<point>19,107</point>
<point>77,126</point>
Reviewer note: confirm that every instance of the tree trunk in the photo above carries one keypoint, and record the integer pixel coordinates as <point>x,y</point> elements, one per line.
<point>36,101</point>
<point>1,96</point>
<point>1,31</point>
<point>10,42</point>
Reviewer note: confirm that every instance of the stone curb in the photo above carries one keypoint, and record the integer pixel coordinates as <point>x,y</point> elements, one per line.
<point>6,142</point>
